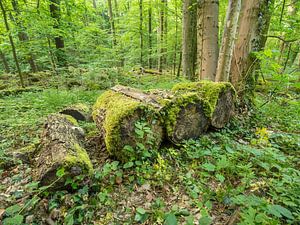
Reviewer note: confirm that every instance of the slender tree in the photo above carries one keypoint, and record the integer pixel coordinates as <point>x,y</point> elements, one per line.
<point>112,23</point>
<point>189,39</point>
<point>209,13</point>
<point>161,56</point>
<point>4,61</point>
<point>176,37</point>
<point>11,43</point>
<point>141,32</point>
<point>150,34</point>
<point>228,38</point>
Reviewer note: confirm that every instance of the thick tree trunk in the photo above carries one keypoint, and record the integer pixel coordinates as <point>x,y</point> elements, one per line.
<point>220,96</point>
<point>252,35</point>
<point>150,35</point>
<point>185,116</point>
<point>5,63</point>
<point>61,147</point>
<point>126,124</point>
<point>189,39</point>
<point>12,43</point>
<point>59,40</point>
<point>112,23</point>
<point>141,32</point>
<point>210,31</point>
<point>228,38</point>
<point>23,37</point>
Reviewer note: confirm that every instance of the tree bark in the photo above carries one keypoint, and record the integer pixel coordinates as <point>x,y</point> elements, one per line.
<point>209,39</point>
<point>176,37</point>
<point>59,40</point>
<point>252,36</point>
<point>12,43</point>
<point>161,54</point>
<point>80,112</point>
<point>23,37</point>
<point>5,63</point>
<point>141,32</point>
<point>189,39</point>
<point>61,147</point>
<point>112,23</point>
<point>228,38</point>
<point>150,35</point>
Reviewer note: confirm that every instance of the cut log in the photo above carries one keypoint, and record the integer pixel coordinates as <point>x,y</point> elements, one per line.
<point>80,112</point>
<point>61,148</point>
<point>185,115</point>
<point>126,123</point>
<point>221,97</point>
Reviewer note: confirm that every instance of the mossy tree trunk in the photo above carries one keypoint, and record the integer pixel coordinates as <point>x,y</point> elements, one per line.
<point>61,147</point>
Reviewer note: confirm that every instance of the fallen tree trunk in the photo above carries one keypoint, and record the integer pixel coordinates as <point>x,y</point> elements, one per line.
<point>61,147</point>
<point>185,116</point>
<point>127,125</point>
<point>80,112</point>
<point>221,97</point>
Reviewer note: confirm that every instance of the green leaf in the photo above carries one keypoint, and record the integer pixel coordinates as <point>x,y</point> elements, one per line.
<point>170,219</point>
<point>205,220</point>
<point>60,172</point>
<point>128,165</point>
<point>220,178</point>
<point>209,167</point>
<point>16,220</point>
<point>141,210</point>
<point>278,210</point>
<point>13,209</point>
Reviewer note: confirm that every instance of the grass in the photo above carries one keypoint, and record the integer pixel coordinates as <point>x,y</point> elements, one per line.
<point>247,172</point>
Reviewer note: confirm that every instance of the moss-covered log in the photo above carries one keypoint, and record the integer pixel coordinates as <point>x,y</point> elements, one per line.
<point>61,147</point>
<point>220,96</point>
<point>184,115</point>
<point>80,112</point>
<point>126,123</point>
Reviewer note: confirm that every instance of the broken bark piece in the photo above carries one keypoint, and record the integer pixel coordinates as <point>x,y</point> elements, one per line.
<point>185,115</point>
<point>124,121</point>
<point>221,97</point>
<point>80,112</point>
<point>61,148</point>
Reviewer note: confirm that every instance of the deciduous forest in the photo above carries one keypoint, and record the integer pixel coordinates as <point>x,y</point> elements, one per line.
<point>149,112</point>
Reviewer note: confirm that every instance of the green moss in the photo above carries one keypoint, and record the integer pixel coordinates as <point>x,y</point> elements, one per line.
<point>206,90</point>
<point>173,107</point>
<point>117,107</point>
<point>79,157</point>
<point>72,120</point>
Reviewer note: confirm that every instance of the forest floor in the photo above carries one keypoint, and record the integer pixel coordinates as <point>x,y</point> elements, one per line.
<point>246,173</point>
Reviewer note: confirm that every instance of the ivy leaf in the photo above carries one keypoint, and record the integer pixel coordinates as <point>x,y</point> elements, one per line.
<point>13,209</point>
<point>128,165</point>
<point>170,219</point>
<point>60,172</point>
<point>141,210</point>
<point>220,178</point>
<point>209,167</point>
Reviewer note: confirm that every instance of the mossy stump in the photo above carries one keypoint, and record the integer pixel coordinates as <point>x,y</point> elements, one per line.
<point>221,97</point>
<point>184,116</point>
<point>61,147</point>
<point>80,112</point>
<point>117,115</point>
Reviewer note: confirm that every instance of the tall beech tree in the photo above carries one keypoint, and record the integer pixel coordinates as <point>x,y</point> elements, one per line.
<point>252,36</point>
<point>189,39</point>
<point>228,38</point>
<point>11,40</point>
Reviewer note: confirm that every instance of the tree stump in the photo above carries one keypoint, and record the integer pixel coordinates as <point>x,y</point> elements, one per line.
<point>221,97</point>
<point>184,116</point>
<point>61,147</point>
<point>126,124</point>
<point>80,112</point>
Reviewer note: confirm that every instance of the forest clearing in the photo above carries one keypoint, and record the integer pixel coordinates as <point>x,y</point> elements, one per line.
<point>149,112</point>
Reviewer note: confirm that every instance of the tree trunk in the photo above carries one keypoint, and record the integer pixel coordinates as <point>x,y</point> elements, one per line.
<point>61,147</point>
<point>228,38</point>
<point>220,96</point>
<point>252,36</point>
<point>112,23</point>
<point>176,37</point>
<point>23,37</point>
<point>95,4</point>
<point>210,31</point>
<point>189,39</point>
<point>127,125</point>
<point>150,35</point>
<point>161,54</point>
<point>141,32</point>
<point>12,43</point>
<point>5,63</point>
<point>59,41</point>
<point>184,116</point>
<point>80,112</point>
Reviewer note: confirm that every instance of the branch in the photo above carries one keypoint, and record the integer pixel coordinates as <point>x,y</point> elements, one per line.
<point>282,39</point>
